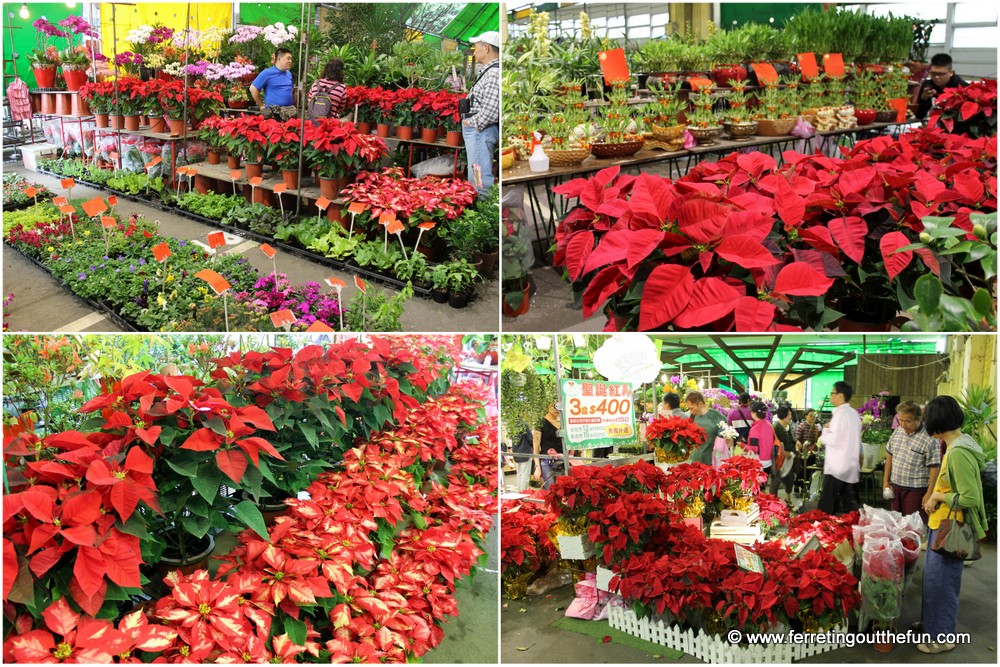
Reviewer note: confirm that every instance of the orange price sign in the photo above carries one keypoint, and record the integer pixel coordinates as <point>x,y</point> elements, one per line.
<point>31,191</point>
<point>67,209</point>
<point>699,82</point>
<point>161,252</point>
<point>256,181</point>
<point>59,201</point>
<point>192,171</point>
<point>94,207</point>
<point>108,221</point>
<point>183,171</point>
<point>214,280</point>
<point>808,65</point>
<point>112,200</point>
<point>386,218</point>
<point>360,284</point>
<point>279,188</point>
<point>318,327</point>
<point>282,318</point>
<point>765,73</point>
<point>356,207</point>
<point>833,64</point>
<point>394,226</point>
<point>614,65</point>
<point>236,174</point>
<point>155,161</point>
<point>335,283</point>
<point>900,104</point>
<point>268,250</point>
<point>322,203</point>
<point>67,183</point>
<point>216,239</point>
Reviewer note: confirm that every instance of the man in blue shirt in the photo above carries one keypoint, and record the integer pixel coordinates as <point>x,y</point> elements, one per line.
<point>275,82</point>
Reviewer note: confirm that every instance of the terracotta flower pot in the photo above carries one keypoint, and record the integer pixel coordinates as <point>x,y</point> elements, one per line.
<point>521,309</point>
<point>75,78</point>
<point>428,134</point>
<point>36,102</point>
<point>132,123</point>
<point>203,184</point>
<point>45,77</point>
<point>330,187</point>
<point>213,157</point>
<point>454,138</point>
<point>80,106</point>
<point>233,161</point>
<point>404,132</point>
<point>101,119</point>
<point>291,178</point>
<point>117,122</point>
<point>442,132</point>
<point>177,128</point>
<point>254,169</point>
<point>64,105</point>
<point>333,213</point>
<point>383,130</point>
<point>865,116</point>
<point>364,127</point>
<point>238,104</point>
<point>49,103</point>
<point>157,124</point>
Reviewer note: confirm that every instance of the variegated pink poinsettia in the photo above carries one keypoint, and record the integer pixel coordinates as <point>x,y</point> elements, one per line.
<point>413,200</point>
<point>731,243</point>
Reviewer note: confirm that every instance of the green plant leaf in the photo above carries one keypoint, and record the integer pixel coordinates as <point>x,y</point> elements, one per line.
<point>251,517</point>
<point>196,525</point>
<point>927,291</point>
<point>310,433</point>
<point>296,630</point>
<point>207,482</point>
<point>187,468</point>
<point>982,302</point>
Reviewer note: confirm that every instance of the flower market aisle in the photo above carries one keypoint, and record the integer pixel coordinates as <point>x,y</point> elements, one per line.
<point>41,303</point>
<point>531,623</point>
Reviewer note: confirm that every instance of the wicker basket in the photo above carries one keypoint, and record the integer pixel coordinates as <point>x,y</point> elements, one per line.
<point>568,157</point>
<point>507,160</point>
<point>669,134</point>
<point>706,136</point>
<point>740,131</point>
<point>775,127</point>
<point>610,151</point>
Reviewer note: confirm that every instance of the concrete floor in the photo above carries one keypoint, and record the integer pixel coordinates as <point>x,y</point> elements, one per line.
<point>528,624</point>
<point>552,308</point>
<point>41,304</point>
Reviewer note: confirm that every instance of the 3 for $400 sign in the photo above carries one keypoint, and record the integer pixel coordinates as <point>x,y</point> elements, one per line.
<point>597,414</point>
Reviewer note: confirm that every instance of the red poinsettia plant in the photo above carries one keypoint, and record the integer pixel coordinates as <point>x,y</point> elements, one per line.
<point>969,109</point>
<point>741,476</point>
<point>689,483</point>
<point>198,102</point>
<point>587,488</point>
<point>413,200</point>
<point>675,436</point>
<point>524,541</point>
<point>624,526</point>
<point>828,529</point>
<point>439,107</point>
<point>773,511</point>
<point>338,149</point>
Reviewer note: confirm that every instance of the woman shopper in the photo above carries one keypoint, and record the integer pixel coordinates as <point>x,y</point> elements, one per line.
<point>783,433</point>
<point>548,441</point>
<point>328,94</point>
<point>959,481</point>
<point>761,441</point>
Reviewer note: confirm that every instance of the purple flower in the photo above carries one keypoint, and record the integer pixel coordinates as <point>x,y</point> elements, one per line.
<point>142,262</point>
<point>182,243</point>
<point>82,276</point>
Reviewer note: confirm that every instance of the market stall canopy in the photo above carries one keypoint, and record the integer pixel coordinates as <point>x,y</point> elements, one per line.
<point>473,20</point>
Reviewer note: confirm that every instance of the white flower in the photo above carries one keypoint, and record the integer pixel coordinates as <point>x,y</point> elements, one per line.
<point>140,34</point>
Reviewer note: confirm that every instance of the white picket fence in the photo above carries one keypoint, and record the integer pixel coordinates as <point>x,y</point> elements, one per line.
<point>709,648</point>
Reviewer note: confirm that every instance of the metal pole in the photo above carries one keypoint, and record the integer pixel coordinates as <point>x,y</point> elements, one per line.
<point>565,445</point>
<point>187,57</point>
<point>304,20</point>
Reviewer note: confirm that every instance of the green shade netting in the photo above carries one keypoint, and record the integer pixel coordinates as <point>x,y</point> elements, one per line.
<point>266,13</point>
<point>472,21</point>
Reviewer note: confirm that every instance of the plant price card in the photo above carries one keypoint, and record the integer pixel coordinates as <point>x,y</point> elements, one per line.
<point>597,414</point>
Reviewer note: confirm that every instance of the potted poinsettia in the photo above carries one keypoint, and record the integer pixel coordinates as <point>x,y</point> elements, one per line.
<point>673,438</point>
<point>740,479</point>
<point>403,112</point>
<point>624,526</point>
<point>970,110</point>
<point>100,96</point>
<point>691,486</point>
<point>287,141</point>
<point>337,150</point>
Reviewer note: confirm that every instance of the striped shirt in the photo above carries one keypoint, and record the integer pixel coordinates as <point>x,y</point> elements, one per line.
<point>335,90</point>
<point>912,458</point>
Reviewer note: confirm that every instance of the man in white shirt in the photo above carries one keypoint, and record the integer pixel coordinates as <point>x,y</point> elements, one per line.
<point>842,440</point>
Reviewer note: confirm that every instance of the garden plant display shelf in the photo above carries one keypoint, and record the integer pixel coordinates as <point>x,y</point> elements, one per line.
<point>709,648</point>
<point>557,207</point>
<point>441,146</point>
<point>259,238</point>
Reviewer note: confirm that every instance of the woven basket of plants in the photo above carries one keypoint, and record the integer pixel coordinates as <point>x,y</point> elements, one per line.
<point>567,157</point>
<point>604,151</point>
<point>669,134</point>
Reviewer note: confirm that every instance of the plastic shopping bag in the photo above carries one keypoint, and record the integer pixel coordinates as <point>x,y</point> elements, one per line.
<point>720,452</point>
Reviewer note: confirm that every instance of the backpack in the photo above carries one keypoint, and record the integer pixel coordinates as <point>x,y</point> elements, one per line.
<point>320,106</point>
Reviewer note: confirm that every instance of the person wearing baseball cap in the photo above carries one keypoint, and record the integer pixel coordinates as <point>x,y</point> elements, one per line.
<point>481,121</point>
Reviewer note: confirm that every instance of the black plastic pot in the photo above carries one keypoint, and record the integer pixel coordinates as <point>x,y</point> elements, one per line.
<point>439,297</point>
<point>458,300</point>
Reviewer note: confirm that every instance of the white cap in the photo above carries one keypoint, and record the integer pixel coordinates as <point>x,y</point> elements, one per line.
<point>491,37</point>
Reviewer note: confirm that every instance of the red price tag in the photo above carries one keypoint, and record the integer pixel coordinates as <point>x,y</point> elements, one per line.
<point>256,181</point>
<point>108,221</point>
<point>112,200</point>
<point>322,203</point>
<point>318,327</point>
<point>268,250</point>
<point>279,188</point>
<point>356,207</point>
<point>67,209</point>
<point>765,73</point>
<point>808,65</point>
<point>214,280</point>
<point>161,252</point>
<point>614,65</point>
<point>67,183</point>
<point>31,191</point>
<point>282,318</point>
<point>394,226</point>
<point>335,283</point>
<point>900,104</point>
<point>833,64</point>
<point>94,207</point>
<point>699,82</point>
<point>59,201</point>
<point>216,239</point>
<point>360,284</point>
<point>236,174</point>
